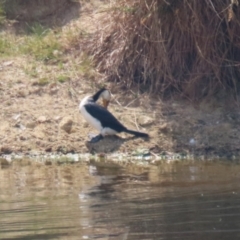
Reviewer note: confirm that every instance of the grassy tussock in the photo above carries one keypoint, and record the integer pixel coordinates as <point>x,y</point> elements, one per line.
<point>44,49</point>
<point>192,47</point>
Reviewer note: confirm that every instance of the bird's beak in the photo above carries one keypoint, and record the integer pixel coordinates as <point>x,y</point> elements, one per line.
<point>105,103</point>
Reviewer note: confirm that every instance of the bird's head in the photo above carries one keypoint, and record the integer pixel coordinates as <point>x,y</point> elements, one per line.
<point>106,97</point>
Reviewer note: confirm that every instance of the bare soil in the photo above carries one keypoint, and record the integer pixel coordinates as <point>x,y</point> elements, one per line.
<point>32,117</point>
<point>39,117</point>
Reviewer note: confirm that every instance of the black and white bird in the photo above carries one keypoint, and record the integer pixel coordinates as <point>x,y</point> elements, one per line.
<point>100,118</point>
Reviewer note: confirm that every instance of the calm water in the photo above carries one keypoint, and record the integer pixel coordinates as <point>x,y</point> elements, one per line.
<point>171,201</point>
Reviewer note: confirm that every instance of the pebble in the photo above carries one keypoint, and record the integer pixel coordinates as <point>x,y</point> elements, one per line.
<point>66,124</point>
<point>6,149</point>
<point>42,119</point>
<point>145,120</point>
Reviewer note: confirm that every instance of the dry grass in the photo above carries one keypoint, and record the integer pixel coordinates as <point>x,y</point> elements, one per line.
<point>191,47</point>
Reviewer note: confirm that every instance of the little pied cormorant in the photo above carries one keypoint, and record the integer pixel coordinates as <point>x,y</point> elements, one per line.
<point>100,118</point>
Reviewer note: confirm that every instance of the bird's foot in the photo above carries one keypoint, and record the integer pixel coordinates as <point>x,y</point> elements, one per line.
<point>96,138</point>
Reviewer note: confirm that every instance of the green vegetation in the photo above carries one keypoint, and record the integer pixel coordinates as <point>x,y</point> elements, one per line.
<point>43,48</point>
<point>45,52</point>
<point>63,78</point>
<point>86,66</point>
<point>43,81</point>
<point>5,46</point>
<point>42,44</point>
<point>37,29</point>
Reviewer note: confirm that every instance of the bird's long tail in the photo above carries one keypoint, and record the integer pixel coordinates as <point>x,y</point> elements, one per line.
<point>136,133</point>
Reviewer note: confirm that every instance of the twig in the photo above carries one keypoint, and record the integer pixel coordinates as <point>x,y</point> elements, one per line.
<point>155,155</point>
<point>130,103</point>
<point>135,119</point>
<point>118,102</point>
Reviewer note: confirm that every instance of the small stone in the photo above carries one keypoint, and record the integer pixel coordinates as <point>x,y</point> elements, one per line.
<point>8,63</point>
<point>192,142</point>
<point>22,138</point>
<point>22,93</point>
<point>164,128</point>
<point>6,149</point>
<point>66,124</point>
<point>48,149</point>
<point>62,149</point>
<point>145,121</point>
<point>42,119</point>
<point>53,88</point>
<point>57,118</point>
<point>52,85</point>
<point>37,90</point>
<point>31,125</point>
<point>57,53</point>
<point>22,127</point>
<point>53,91</point>
<point>16,117</point>
<point>19,125</point>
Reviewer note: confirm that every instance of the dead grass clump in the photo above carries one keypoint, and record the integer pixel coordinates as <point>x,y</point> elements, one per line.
<point>189,46</point>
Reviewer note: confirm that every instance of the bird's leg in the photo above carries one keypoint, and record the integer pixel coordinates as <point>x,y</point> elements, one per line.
<point>96,138</point>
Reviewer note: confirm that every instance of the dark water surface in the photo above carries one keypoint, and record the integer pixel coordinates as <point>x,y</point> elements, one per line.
<point>76,201</point>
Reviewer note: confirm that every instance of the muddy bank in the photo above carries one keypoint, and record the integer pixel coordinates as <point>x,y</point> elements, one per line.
<point>44,118</point>
<point>40,97</point>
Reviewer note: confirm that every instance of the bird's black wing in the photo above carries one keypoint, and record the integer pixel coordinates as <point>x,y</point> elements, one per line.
<point>104,116</point>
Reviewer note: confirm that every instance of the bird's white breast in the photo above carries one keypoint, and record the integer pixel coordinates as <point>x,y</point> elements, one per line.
<point>88,117</point>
